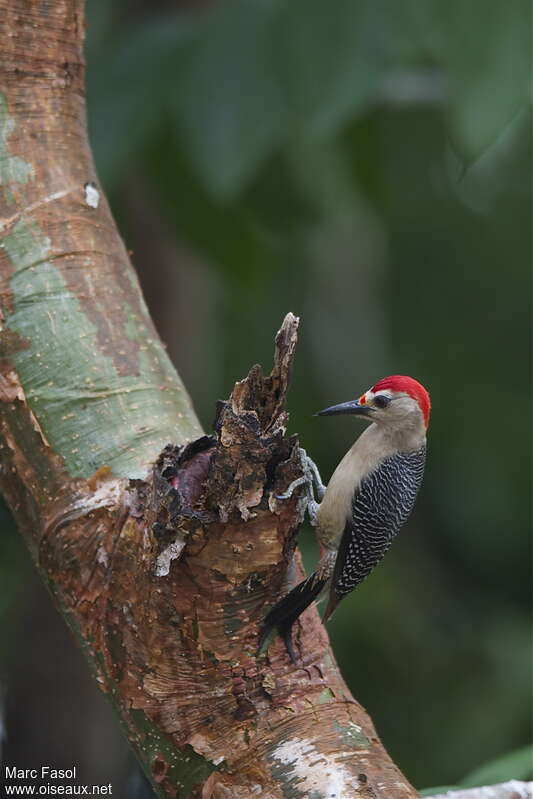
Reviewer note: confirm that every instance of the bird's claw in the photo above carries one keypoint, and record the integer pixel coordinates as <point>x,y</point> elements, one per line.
<point>290,490</point>
<point>313,482</point>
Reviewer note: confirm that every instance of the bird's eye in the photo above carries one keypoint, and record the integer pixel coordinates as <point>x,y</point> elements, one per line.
<point>381,401</point>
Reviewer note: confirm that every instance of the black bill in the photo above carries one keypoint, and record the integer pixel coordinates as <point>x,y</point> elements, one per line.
<point>353,407</point>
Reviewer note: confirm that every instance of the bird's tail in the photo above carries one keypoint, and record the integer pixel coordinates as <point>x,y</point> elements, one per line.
<point>286,611</point>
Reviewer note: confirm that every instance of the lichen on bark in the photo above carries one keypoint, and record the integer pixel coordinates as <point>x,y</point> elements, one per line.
<point>76,329</point>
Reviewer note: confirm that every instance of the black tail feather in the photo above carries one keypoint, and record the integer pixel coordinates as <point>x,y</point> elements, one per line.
<point>286,611</point>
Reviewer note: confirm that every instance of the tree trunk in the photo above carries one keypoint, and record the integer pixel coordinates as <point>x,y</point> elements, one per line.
<point>164,571</point>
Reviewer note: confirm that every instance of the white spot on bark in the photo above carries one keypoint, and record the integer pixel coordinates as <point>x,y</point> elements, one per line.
<point>108,495</point>
<point>165,558</point>
<point>101,556</point>
<point>402,787</point>
<point>10,388</point>
<point>92,195</point>
<point>314,771</point>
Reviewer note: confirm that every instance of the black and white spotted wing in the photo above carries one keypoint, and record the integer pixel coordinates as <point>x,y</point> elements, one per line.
<point>379,508</point>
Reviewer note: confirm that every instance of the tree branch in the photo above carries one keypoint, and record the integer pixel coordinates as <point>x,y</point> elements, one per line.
<point>163,572</point>
<point>81,341</point>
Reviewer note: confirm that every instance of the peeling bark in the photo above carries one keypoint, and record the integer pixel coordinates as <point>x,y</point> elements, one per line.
<point>164,572</point>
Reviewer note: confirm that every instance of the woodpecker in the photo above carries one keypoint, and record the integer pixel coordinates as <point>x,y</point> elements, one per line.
<point>369,497</point>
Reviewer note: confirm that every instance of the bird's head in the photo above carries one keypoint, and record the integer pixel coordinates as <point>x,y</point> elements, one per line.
<point>396,401</point>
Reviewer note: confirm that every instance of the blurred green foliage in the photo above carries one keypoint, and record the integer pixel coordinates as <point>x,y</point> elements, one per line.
<point>366,165</point>
<point>513,765</point>
<point>516,765</point>
<point>248,77</point>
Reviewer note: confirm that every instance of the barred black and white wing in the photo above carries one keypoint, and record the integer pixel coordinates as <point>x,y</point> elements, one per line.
<point>380,507</point>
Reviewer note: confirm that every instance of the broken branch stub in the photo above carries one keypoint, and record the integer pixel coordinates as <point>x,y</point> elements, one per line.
<point>215,554</point>
<point>215,546</point>
<point>231,475</point>
<point>250,429</point>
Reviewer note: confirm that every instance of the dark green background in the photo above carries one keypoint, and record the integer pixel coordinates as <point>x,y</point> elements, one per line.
<point>366,165</point>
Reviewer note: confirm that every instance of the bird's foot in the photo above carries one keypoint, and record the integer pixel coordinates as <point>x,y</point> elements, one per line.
<point>315,489</point>
<point>290,490</point>
<point>316,480</point>
<point>312,510</point>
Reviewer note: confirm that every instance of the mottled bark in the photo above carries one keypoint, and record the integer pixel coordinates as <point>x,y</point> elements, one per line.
<point>163,572</point>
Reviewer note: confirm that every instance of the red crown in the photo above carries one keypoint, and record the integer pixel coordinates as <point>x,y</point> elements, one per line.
<point>409,386</point>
